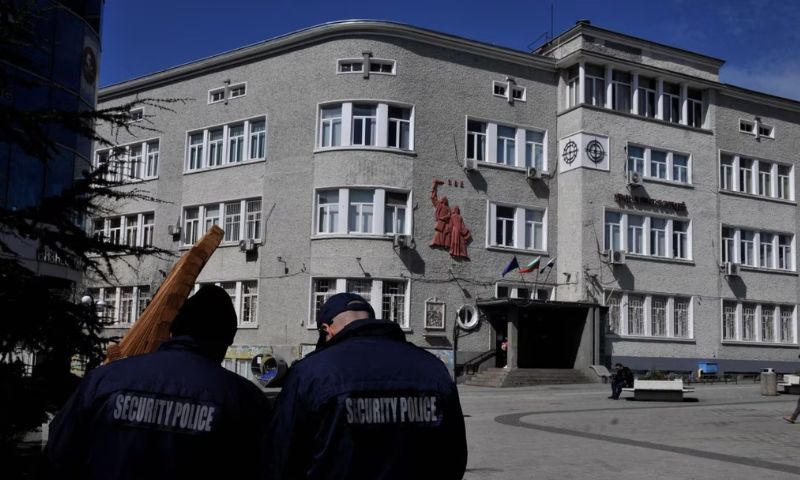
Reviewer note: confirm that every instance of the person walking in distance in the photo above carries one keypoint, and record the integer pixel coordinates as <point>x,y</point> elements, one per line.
<point>172,414</point>
<point>365,405</point>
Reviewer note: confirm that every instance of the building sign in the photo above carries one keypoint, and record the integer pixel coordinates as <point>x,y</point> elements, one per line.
<point>622,198</point>
<point>584,150</point>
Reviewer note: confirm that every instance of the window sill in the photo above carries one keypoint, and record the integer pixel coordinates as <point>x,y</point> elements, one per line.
<point>750,268</point>
<point>664,181</point>
<point>371,148</point>
<point>742,343</point>
<point>223,244</point>
<point>227,165</point>
<point>636,116</point>
<point>497,248</point>
<point>351,236</point>
<point>247,326</point>
<point>651,258</point>
<point>757,197</point>
<point>638,338</point>
<point>502,166</point>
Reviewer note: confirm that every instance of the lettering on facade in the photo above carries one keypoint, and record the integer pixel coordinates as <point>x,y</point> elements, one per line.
<point>419,409</point>
<point>163,413</point>
<point>679,207</point>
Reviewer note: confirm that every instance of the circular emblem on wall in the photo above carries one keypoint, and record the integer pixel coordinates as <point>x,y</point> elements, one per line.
<point>570,152</point>
<point>595,151</point>
<point>89,62</point>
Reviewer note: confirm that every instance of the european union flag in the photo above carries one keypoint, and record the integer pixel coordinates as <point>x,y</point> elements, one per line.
<point>512,265</point>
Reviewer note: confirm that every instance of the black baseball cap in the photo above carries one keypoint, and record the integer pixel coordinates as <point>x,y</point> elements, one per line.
<point>208,316</point>
<point>343,302</point>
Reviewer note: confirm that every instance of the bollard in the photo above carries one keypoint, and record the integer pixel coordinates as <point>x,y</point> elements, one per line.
<point>769,382</point>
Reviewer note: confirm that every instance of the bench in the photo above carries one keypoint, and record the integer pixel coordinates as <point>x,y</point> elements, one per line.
<point>658,390</point>
<point>601,372</point>
<point>790,384</point>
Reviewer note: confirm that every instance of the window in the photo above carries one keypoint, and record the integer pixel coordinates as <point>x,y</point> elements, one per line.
<point>476,140</point>
<point>729,245</point>
<point>216,95</point>
<point>502,89</point>
<point>614,313</point>
<point>360,215</point>
<point>227,214</point>
<point>376,65</point>
<point>518,93</point>
<point>123,305</point>
<point>621,91</point>
<point>756,176</point>
<point>784,182</point>
<point>753,322</point>
<point>726,173</point>
<point>680,168</point>
<point>517,227</point>
<point>573,84</point>
<point>142,300</point>
<point>136,115</point>
<point>399,128</point>
<point>658,316</point>
<point>394,215</point>
<point>765,250</point>
<point>388,297</point>
<point>148,226</point>
<point>499,89</point>
<point>350,66</point>
<point>640,315</point>
<point>680,320</point>
<point>647,235</point>
<point>747,126</point>
<point>764,179</point>
<point>765,130</point>
<point>131,230</point>
<point>658,164</point>
<point>647,97</point>
<point>746,175</point>
<point>672,102</point>
<point>227,144</point>
<point>248,310</point>
<point>328,216</point>
<point>396,123</point>
<point>595,91</point>
<point>126,305</point>
<point>747,247</point>
<point>115,230</point>
<point>761,249</point>
<point>229,92</point>
<point>635,315</point>
<point>785,257</point>
<point>237,90</point>
<point>636,159</point>
<point>694,99</point>
<point>506,146</point>
<point>534,149</point>
<point>133,162</point>
<point>364,119</point>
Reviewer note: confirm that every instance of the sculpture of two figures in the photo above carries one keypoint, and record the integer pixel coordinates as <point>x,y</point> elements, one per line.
<point>450,231</point>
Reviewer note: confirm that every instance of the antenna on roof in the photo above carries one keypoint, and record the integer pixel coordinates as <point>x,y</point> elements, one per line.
<point>547,35</point>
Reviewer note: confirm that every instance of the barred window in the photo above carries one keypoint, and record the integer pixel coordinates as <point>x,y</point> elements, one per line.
<point>248,313</point>
<point>394,299</point>
<point>635,315</point>
<point>680,321</point>
<point>658,317</point>
<point>614,313</point>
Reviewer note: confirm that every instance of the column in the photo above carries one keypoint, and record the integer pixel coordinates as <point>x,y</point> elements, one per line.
<point>512,356</point>
<point>635,91</point>
<point>660,98</point>
<point>581,83</point>
<point>609,87</point>
<point>684,104</point>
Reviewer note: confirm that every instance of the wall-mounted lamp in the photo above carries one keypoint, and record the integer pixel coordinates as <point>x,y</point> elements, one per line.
<point>366,274</point>
<point>285,267</point>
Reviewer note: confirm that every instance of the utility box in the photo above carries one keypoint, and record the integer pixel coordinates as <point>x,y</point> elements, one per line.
<point>769,382</point>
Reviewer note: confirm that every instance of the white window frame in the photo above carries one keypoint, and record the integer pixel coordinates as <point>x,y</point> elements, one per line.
<point>375,296</point>
<point>622,305</point>
<point>237,298</point>
<point>113,295</point>
<point>755,127</point>
<point>201,152</point>
<point>776,180</point>
<point>738,322</point>
<point>520,225</point>
<point>227,92</point>
<point>126,225</point>
<point>349,61</point>
<point>342,228</point>
<point>230,90</point>
<point>215,91</point>
<point>381,137</point>
<point>776,249</point>
<point>647,162</point>
<point>366,65</point>
<point>121,156</point>
<point>205,221</point>
<point>491,139</point>
<point>668,234</point>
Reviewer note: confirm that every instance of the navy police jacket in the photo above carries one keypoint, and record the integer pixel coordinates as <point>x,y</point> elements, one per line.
<point>367,406</point>
<point>171,414</point>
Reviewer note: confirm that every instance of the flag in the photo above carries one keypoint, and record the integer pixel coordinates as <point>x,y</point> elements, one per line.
<point>534,265</point>
<point>512,265</point>
<point>551,262</point>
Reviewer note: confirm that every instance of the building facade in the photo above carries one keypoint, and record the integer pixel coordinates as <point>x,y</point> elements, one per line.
<point>659,202</point>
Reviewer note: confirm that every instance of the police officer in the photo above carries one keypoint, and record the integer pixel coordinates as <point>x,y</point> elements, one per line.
<point>172,414</point>
<point>366,405</point>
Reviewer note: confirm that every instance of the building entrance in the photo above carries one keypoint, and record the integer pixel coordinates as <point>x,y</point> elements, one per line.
<point>549,338</point>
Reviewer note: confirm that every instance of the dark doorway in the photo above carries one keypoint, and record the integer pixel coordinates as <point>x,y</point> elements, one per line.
<point>499,323</point>
<point>550,337</point>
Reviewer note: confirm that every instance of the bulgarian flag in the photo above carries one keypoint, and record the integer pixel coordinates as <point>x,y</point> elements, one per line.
<point>534,265</point>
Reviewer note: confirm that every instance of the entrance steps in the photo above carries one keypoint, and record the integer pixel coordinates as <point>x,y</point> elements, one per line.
<point>524,377</point>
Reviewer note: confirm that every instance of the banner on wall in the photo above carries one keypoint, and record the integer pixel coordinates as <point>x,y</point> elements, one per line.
<point>583,150</point>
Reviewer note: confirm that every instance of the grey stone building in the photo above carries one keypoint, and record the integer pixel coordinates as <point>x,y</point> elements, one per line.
<point>659,202</point>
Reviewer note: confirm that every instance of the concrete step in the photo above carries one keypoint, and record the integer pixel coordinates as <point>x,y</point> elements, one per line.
<point>519,377</point>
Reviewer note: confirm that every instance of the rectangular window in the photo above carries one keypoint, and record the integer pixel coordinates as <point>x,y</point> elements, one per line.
<point>747,126</point>
<point>614,314</point>
<point>110,299</point>
<point>136,159</point>
<point>131,230</point>
<point>238,90</point>
<point>517,227</point>
<point>747,247</point>
<point>504,226</point>
<point>328,213</point>
<point>399,128</point>
<point>394,302</point>
<point>658,164</point>
<point>323,288</point>
<point>253,220</point>
<point>658,236</point>
<point>394,214</point>
<point>784,182</point>
<point>613,231</point>
<point>360,287</point>
<point>621,91</point>
<point>728,321</point>
<point>746,175</point>
<point>217,95</point>
<point>350,66</point>
<point>211,216</point>
<point>248,311</point>
<point>235,143</point>
<point>115,230</point>
<point>680,318</point>
<point>765,251</point>
<point>518,93</point>
<point>499,89</point>
<point>476,140</point>
<point>764,179</point>
<point>635,234</point>
<point>787,324</point>
<point>767,323</point>
<point>331,126</point>
<point>136,115</point>
<point>636,159</point>
<point>147,229</point>
<point>658,316</point>
<point>195,151</point>
<point>534,229</point>
<point>672,102</point>
<point>573,84</point>
<point>361,212</point>
<point>680,168</point>
<point>215,144</point>
<point>258,139</point>
<point>680,239</point>
<point>647,97</point>
<point>126,306</point>
<point>726,172</point>
<point>534,149</point>
<point>695,107</point>
<point>635,315</point>
<point>595,91</point>
<point>785,258</point>
<point>765,130</point>
<point>151,170</point>
<point>233,219</point>
<point>506,145</point>
<point>191,225</point>
<point>142,300</point>
<point>364,120</point>
<point>748,322</point>
<point>381,66</point>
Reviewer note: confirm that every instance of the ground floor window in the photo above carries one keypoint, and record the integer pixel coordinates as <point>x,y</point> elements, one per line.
<point>121,306</point>
<point>639,315</point>
<point>244,295</point>
<point>389,298</point>
<point>758,322</point>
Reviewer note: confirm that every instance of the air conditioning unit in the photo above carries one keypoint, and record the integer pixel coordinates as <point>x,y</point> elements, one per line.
<point>470,164</point>
<point>634,178</point>
<point>174,230</point>
<point>732,269</point>
<point>401,241</point>
<point>533,173</point>
<point>248,245</point>
<point>616,257</point>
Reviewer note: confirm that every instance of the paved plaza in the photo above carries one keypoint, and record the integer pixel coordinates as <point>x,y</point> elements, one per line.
<point>575,431</point>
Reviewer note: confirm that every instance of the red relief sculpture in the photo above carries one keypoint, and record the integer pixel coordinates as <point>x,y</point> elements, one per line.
<point>450,231</point>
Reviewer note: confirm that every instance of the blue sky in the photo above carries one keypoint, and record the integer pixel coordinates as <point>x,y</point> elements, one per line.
<point>758,39</point>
